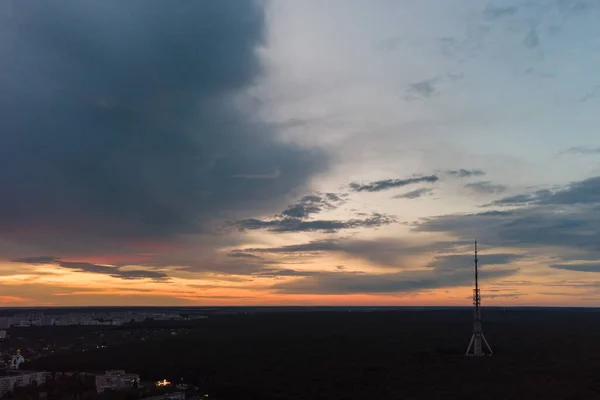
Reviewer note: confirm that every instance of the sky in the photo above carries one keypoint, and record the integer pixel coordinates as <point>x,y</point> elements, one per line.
<point>330,152</point>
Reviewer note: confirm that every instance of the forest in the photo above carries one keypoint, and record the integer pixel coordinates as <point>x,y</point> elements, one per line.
<point>541,353</point>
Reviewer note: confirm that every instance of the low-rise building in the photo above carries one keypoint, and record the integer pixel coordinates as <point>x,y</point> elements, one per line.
<point>116,380</point>
<point>9,379</point>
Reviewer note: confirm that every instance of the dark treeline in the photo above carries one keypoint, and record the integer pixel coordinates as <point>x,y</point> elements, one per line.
<point>546,354</point>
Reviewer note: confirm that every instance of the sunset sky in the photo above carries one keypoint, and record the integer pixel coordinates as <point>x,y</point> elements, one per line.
<point>314,152</point>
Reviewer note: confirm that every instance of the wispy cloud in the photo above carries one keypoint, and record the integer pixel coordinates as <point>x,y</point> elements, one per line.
<point>465,173</point>
<point>486,187</point>
<point>386,184</point>
<point>582,150</point>
<point>425,88</point>
<point>587,267</point>
<point>502,295</point>
<point>113,271</point>
<point>532,39</point>
<point>313,204</point>
<point>414,194</point>
<point>493,12</point>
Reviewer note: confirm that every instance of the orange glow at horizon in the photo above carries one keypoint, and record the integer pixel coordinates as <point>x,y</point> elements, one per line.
<point>33,285</point>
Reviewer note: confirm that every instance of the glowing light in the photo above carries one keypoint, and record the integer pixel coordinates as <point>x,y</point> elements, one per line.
<point>164,382</point>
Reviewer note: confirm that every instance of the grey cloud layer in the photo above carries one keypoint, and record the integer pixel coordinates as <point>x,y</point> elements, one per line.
<point>114,271</point>
<point>566,219</point>
<point>298,225</point>
<point>455,262</point>
<point>582,150</point>
<point>388,252</point>
<point>118,121</point>
<point>577,193</point>
<point>444,272</point>
<point>294,217</point>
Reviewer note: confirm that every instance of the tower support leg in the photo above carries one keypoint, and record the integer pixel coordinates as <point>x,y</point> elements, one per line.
<point>470,344</point>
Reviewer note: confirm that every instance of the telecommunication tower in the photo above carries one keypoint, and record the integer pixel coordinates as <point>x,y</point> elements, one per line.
<point>476,345</point>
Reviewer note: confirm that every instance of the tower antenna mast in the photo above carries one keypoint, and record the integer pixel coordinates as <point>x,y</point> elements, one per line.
<point>476,345</point>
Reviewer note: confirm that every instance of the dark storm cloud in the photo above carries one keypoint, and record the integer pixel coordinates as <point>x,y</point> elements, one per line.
<point>414,194</point>
<point>386,184</point>
<point>114,271</point>
<point>486,187</point>
<point>590,267</point>
<point>465,173</point>
<point>298,225</point>
<point>118,121</point>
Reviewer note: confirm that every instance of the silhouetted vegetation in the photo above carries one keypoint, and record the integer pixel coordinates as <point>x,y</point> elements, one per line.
<point>542,354</point>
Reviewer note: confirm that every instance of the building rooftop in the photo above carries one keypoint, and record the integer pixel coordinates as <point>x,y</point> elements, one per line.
<point>15,372</point>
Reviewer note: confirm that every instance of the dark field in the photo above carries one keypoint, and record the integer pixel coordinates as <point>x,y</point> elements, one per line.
<point>390,354</point>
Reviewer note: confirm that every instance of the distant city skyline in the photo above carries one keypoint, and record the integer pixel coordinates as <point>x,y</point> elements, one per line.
<point>336,152</point>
